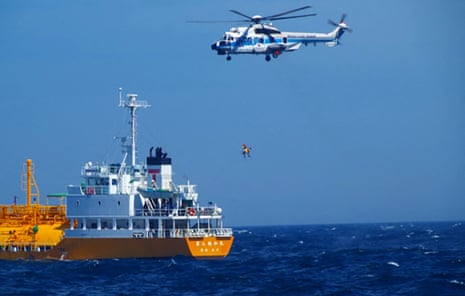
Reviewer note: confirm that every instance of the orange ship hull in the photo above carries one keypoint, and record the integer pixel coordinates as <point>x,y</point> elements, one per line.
<point>107,248</point>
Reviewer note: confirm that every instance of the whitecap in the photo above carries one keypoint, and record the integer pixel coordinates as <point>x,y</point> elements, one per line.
<point>95,262</point>
<point>430,252</point>
<point>393,263</point>
<point>368,276</point>
<point>173,262</point>
<point>435,236</point>
<point>457,282</point>
<point>409,235</point>
<point>301,242</point>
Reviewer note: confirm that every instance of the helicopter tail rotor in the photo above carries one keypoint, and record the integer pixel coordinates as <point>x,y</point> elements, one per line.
<point>342,25</point>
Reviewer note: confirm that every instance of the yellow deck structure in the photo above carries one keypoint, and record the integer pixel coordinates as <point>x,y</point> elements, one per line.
<point>31,227</point>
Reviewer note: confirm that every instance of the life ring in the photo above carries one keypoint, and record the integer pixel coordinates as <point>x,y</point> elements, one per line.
<point>191,212</point>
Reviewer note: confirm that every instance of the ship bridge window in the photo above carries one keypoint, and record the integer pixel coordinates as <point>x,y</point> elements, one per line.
<point>114,168</point>
<point>114,182</point>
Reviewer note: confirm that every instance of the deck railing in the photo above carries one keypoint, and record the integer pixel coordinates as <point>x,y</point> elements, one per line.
<point>11,211</point>
<point>194,232</point>
<point>193,212</point>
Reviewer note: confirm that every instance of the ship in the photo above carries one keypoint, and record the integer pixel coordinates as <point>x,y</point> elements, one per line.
<point>31,230</point>
<point>124,209</point>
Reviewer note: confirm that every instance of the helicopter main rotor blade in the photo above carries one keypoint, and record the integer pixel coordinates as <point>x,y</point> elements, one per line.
<point>290,17</point>
<point>257,19</point>
<point>287,12</point>
<point>333,23</point>
<point>241,14</point>
<point>219,21</point>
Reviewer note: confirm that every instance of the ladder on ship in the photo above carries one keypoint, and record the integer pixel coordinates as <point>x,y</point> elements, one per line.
<point>150,203</point>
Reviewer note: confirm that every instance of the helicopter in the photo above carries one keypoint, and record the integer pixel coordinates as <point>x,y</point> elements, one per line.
<point>261,38</point>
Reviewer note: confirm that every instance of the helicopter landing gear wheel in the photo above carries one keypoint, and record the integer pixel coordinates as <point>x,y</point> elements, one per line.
<point>228,58</point>
<point>267,58</point>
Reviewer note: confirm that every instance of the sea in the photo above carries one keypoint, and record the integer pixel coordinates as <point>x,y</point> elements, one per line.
<point>342,259</point>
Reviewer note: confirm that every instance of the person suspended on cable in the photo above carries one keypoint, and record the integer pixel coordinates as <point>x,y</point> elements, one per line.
<point>246,150</point>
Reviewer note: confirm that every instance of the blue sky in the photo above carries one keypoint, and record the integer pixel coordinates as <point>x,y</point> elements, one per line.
<point>371,131</point>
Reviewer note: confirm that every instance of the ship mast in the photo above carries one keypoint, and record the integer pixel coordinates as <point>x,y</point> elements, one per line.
<point>132,104</point>
<point>29,182</point>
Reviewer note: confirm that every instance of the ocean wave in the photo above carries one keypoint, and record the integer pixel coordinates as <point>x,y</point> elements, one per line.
<point>295,260</point>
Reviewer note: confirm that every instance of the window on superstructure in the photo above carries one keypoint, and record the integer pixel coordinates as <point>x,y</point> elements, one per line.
<point>138,224</point>
<point>122,224</point>
<point>266,31</point>
<point>107,224</point>
<point>91,223</point>
<point>153,224</point>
